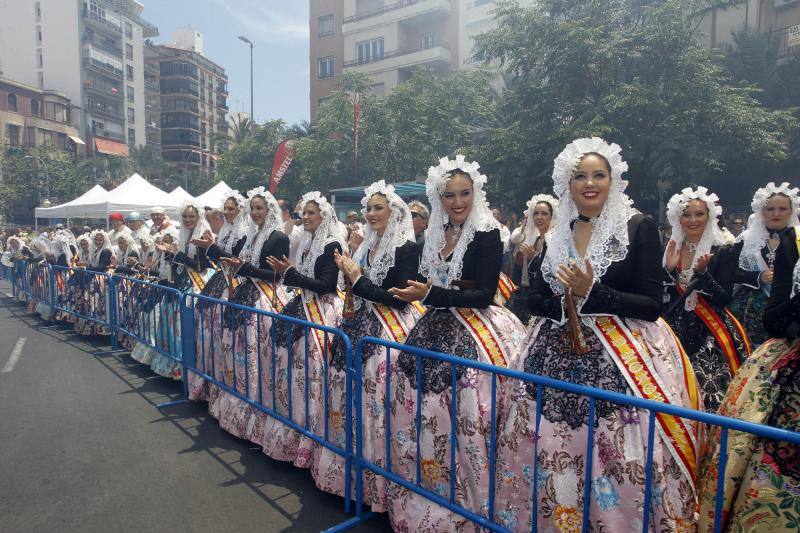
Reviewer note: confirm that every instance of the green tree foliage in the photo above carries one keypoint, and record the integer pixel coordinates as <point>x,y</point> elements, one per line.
<point>637,74</point>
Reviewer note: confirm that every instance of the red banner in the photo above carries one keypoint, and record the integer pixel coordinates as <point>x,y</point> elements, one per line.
<point>356,115</point>
<point>284,156</point>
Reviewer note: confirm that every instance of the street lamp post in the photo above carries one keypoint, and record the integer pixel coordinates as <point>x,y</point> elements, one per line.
<point>248,41</point>
<point>46,175</point>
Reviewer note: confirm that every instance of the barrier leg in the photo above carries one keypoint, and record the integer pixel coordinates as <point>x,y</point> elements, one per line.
<point>111,309</point>
<point>188,350</point>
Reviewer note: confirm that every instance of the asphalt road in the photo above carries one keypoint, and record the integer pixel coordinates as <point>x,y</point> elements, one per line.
<point>84,448</point>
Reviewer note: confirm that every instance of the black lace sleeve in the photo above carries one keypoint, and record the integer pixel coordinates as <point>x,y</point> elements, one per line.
<point>197,264</point>
<point>103,262</point>
<point>489,254</point>
<point>640,297</point>
<point>782,312</point>
<point>542,301</point>
<point>326,272</point>
<point>277,246</point>
<point>406,266</point>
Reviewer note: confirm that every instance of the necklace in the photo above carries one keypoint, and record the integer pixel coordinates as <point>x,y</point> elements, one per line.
<point>691,246</point>
<point>456,233</point>
<point>775,234</point>
<point>587,220</point>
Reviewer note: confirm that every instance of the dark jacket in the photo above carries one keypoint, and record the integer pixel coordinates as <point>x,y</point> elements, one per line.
<point>326,273</point>
<point>406,267</point>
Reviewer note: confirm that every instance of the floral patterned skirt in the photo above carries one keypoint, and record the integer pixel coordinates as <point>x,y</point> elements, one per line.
<point>619,455</point>
<point>518,304</point>
<point>748,306</point>
<point>762,477</point>
<point>208,328</point>
<point>439,330</point>
<point>299,371</point>
<point>708,359</point>
<point>328,469</point>
<point>93,302</point>
<point>244,363</point>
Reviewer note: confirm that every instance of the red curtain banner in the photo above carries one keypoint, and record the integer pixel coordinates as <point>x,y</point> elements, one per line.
<point>284,156</point>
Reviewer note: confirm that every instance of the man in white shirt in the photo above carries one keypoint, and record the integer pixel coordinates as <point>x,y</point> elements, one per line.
<point>160,220</point>
<point>137,227</point>
<point>291,230</point>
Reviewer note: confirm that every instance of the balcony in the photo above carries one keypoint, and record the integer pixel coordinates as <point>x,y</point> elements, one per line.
<point>105,46</point>
<point>408,11</point>
<point>788,42</point>
<point>104,91</point>
<point>178,87</point>
<point>435,56</point>
<point>105,68</point>
<point>110,135</point>
<point>105,23</point>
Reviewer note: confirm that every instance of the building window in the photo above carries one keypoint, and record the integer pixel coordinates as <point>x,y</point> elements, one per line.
<point>128,30</point>
<point>129,51</point>
<point>326,67</point>
<point>40,60</point>
<point>38,10</point>
<point>131,136</point>
<point>12,102</point>
<point>12,134</point>
<point>35,108</point>
<point>325,26</point>
<point>129,72</point>
<point>131,117</point>
<point>130,93</point>
<point>38,35</point>
<point>428,40</point>
<point>368,51</point>
<point>40,79</point>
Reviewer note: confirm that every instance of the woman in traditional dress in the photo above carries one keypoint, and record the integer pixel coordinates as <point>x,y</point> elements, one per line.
<point>66,255</point>
<point>208,317</point>
<point>529,249</point>
<point>774,208</point>
<point>700,273</point>
<point>191,269</point>
<point>244,360</point>
<point>43,255</point>
<point>95,297</point>
<point>386,258</point>
<point>74,292</point>
<point>152,329</point>
<point>127,255</point>
<point>762,477</point>
<point>460,265</point>
<point>19,252</point>
<point>315,274</point>
<point>599,296</point>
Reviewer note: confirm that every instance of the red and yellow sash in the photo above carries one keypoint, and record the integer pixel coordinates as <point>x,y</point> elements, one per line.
<point>314,313</point>
<point>505,288</point>
<point>483,334</point>
<point>717,328</point>
<point>636,367</point>
<point>274,297</point>
<point>391,321</point>
<point>197,279</point>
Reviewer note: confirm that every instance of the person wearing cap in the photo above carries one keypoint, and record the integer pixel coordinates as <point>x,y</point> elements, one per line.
<point>160,220</point>
<point>419,219</point>
<point>136,224</point>
<point>118,227</point>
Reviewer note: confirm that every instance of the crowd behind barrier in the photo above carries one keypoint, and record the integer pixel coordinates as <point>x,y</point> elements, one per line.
<point>127,313</point>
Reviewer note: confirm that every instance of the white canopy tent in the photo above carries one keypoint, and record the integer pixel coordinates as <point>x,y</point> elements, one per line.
<point>181,195</point>
<point>215,196</point>
<point>135,194</point>
<point>73,208</point>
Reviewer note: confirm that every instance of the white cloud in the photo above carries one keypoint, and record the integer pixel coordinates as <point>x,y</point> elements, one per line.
<point>281,21</point>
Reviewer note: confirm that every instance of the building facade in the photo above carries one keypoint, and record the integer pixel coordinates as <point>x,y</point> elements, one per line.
<point>389,39</point>
<point>31,117</point>
<point>92,51</point>
<point>194,107</point>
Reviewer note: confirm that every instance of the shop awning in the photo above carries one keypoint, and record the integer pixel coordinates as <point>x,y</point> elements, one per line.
<point>76,140</point>
<point>110,147</point>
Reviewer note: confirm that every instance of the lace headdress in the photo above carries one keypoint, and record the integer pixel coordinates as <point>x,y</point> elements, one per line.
<point>63,239</point>
<point>609,241</point>
<point>256,238</point>
<point>42,246</point>
<point>530,228</point>
<point>186,235</point>
<point>94,251</point>
<point>756,235</point>
<point>438,271</point>
<point>399,230</point>
<point>330,230</point>
<point>232,232</point>
<point>163,261</point>
<point>132,247</point>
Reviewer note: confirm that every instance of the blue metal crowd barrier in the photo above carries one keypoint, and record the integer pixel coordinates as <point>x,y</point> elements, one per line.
<point>126,315</point>
<point>85,294</point>
<point>197,363</point>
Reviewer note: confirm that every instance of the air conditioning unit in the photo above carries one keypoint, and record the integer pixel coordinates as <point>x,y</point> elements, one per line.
<point>784,3</point>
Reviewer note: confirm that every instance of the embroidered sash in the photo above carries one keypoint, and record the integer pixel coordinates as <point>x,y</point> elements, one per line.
<point>505,288</point>
<point>483,334</point>
<point>716,326</point>
<point>632,360</point>
<point>275,297</point>
<point>197,279</point>
<point>315,314</point>
<point>390,319</point>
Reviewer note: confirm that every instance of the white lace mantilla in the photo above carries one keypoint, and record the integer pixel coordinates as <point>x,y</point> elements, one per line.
<point>257,236</point>
<point>399,230</point>
<point>436,268</point>
<point>756,235</point>
<point>312,245</point>
<point>184,241</point>
<point>609,241</point>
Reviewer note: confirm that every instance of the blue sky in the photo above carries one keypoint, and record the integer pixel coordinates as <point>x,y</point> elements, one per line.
<point>279,30</point>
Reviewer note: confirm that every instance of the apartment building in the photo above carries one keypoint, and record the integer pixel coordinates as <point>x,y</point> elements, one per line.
<point>89,50</point>
<point>194,107</point>
<point>389,39</point>
<point>31,117</point>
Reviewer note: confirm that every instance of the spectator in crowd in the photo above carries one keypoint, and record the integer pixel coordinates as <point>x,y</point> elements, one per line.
<point>290,227</point>
<point>419,219</point>
<point>215,219</point>
<point>736,225</point>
